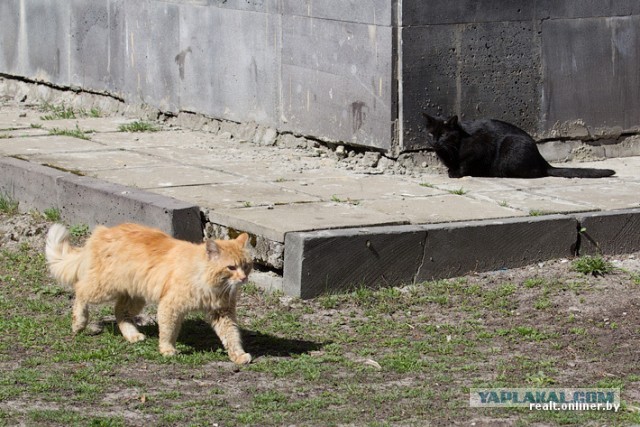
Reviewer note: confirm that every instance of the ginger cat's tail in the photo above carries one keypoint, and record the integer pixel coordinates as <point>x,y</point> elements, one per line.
<point>64,260</point>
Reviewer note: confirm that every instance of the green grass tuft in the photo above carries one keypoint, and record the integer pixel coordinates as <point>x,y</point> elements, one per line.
<point>74,133</point>
<point>8,205</point>
<point>594,265</point>
<point>138,126</point>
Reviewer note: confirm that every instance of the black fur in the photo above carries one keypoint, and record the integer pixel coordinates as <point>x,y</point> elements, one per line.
<point>492,148</point>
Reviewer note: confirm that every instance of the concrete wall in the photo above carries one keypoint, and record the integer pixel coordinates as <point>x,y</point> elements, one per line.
<point>554,67</point>
<point>343,70</point>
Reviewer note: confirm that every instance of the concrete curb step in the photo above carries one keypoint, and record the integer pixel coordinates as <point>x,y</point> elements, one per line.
<point>332,260</point>
<point>323,261</point>
<point>82,199</point>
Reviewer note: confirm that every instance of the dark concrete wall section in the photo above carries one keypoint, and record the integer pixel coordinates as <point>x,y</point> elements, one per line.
<point>610,233</point>
<point>541,65</point>
<point>334,260</point>
<point>591,72</point>
<point>476,70</point>
<point>90,201</point>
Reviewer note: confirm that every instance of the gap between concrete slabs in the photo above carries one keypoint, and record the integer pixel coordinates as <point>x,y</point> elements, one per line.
<point>82,199</point>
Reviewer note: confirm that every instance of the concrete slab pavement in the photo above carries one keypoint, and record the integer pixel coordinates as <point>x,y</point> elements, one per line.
<point>313,216</point>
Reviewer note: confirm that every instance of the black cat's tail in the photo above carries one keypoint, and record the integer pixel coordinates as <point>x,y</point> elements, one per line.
<point>579,172</point>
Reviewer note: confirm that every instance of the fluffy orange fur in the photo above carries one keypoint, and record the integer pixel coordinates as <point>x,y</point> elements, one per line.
<point>132,264</point>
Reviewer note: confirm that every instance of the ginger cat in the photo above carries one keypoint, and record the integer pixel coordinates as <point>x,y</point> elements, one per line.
<point>132,264</point>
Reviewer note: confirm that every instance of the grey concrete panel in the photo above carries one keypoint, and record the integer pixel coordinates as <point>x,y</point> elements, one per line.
<point>225,70</point>
<point>91,201</point>
<point>608,233</point>
<point>35,39</point>
<point>591,71</point>
<point>378,12</point>
<point>152,35</point>
<point>476,71</point>
<point>341,89</point>
<point>457,249</point>
<point>9,36</point>
<point>97,45</point>
<point>264,6</point>
<point>329,261</point>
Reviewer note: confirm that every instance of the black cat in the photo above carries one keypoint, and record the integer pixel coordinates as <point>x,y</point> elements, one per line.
<point>491,148</point>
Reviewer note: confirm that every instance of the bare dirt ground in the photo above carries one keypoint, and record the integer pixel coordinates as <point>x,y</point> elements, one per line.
<point>400,356</point>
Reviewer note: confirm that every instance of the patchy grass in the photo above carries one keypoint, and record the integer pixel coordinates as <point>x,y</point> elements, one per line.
<point>392,356</point>
<point>8,205</point>
<point>594,265</point>
<point>459,192</point>
<point>74,133</point>
<point>138,126</point>
<point>57,112</point>
<point>52,214</point>
<point>79,230</point>
<point>62,112</point>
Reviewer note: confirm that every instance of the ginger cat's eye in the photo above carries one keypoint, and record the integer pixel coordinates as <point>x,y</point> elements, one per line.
<point>232,267</point>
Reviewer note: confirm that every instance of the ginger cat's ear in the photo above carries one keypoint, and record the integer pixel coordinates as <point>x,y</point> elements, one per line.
<point>213,250</point>
<point>242,239</point>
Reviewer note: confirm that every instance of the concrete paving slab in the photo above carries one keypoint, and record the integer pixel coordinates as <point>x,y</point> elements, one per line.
<point>436,209</point>
<point>21,133</point>
<point>15,118</point>
<point>599,195</point>
<point>274,223</point>
<point>97,160</point>
<point>95,124</point>
<point>133,140</point>
<point>364,187</point>
<point>196,156</point>
<point>281,171</point>
<point>50,144</point>
<point>237,194</point>
<point>165,176</point>
<point>530,204</point>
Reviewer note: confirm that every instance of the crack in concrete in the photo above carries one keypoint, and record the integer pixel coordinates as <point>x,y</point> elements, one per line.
<point>424,255</point>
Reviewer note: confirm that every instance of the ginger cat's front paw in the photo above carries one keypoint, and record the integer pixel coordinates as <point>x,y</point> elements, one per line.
<point>168,351</point>
<point>240,359</point>
<point>136,337</point>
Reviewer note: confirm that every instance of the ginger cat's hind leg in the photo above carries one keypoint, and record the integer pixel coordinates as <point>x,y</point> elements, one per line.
<point>126,309</point>
<point>80,316</point>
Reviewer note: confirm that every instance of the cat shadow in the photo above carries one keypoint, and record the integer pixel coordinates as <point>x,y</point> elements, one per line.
<point>200,337</point>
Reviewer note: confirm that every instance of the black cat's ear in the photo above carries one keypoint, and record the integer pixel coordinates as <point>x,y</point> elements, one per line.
<point>452,121</point>
<point>432,122</point>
